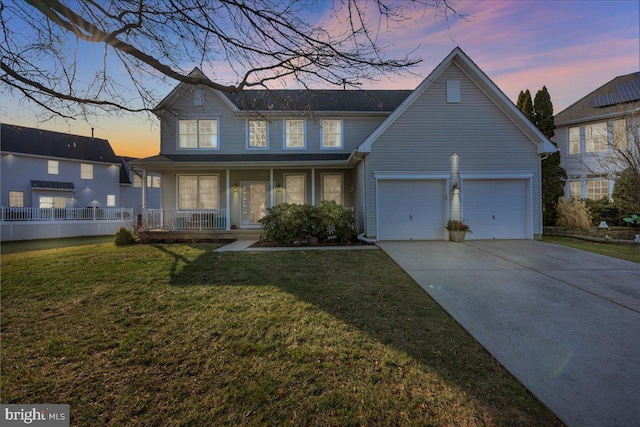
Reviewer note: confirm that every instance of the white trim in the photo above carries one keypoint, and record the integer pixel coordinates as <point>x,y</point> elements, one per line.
<point>284,134</point>
<point>304,185</point>
<point>322,147</point>
<point>322,175</point>
<point>248,134</point>
<point>409,175</point>
<point>498,175</point>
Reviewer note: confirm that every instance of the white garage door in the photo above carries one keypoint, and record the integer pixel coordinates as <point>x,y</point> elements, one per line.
<point>411,209</point>
<point>496,208</point>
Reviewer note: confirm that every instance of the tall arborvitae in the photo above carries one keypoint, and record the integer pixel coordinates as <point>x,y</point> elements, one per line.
<point>540,113</point>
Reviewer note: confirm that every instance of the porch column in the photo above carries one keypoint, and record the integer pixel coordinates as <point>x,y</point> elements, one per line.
<point>227,214</point>
<point>144,188</point>
<point>271,187</point>
<point>313,186</point>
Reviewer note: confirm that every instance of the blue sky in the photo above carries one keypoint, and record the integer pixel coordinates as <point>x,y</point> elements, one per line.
<point>572,47</point>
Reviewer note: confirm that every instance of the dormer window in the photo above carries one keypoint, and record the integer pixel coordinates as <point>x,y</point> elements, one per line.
<point>198,134</point>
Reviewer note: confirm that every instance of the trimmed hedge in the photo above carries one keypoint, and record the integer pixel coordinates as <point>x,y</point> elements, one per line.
<point>289,224</point>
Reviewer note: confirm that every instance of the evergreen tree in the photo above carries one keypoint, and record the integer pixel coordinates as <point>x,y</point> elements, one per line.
<point>540,113</point>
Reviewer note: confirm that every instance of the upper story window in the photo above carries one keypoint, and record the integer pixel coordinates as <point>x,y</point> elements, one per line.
<point>16,199</point>
<point>52,167</point>
<point>294,134</point>
<point>574,140</point>
<point>257,131</point>
<point>453,91</point>
<point>332,134</point>
<point>201,134</point>
<point>595,137</point>
<point>137,180</point>
<point>86,171</point>
<point>619,135</point>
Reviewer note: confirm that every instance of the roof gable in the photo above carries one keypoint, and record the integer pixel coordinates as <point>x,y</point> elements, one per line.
<point>616,97</point>
<point>485,84</point>
<point>38,142</point>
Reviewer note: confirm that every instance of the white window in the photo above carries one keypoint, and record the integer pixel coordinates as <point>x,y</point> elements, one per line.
<point>575,189</point>
<point>16,199</point>
<point>294,187</point>
<point>597,189</point>
<point>137,180</point>
<point>111,200</point>
<point>574,140</point>
<point>453,91</point>
<point>47,202</point>
<point>332,187</point>
<point>257,134</point>
<point>155,181</point>
<point>198,192</point>
<point>294,134</point>
<point>201,134</point>
<point>86,171</point>
<point>52,167</point>
<point>595,137</point>
<point>332,134</point>
<point>620,135</point>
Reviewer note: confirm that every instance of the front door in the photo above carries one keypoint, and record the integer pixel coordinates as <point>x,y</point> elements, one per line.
<point>254,202</point>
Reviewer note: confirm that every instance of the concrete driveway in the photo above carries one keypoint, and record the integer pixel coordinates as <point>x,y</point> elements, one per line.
<point>565,322</point>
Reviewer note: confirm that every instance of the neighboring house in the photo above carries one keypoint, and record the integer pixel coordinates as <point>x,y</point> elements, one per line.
<point>45,169</point>
<point>131,187</point>
<point>590,131</point>
<point>405,161</point>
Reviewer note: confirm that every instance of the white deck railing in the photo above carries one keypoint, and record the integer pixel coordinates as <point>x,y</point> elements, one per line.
<point>178,220</point>
<point>69,214</point>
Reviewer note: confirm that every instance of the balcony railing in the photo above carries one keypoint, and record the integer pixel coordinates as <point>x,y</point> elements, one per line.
<point>69,214</point>
<point>184,220</point>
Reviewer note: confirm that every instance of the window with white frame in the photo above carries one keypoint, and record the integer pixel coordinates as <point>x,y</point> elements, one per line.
<point>257,134</point>
<point>111,200</point>
<point>47,202</point>
<point>597,189</point>
<point>574,140</point>
<point>86,171</point>
<point>294,134</point>
<point>198,134</point>
<point>52,167</point>
<point>197,192</point>
<point>575,189</point>
<point>16,199</point>
<point>620,134</point>
<point>294,187</point>
<point>332,134</point>
<point>595,137</point>
<point>137,180</point>
<point>332,187</point>
<point>155,181</point>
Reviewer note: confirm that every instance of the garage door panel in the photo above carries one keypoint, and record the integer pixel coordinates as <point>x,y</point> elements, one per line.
<point>496,209</point>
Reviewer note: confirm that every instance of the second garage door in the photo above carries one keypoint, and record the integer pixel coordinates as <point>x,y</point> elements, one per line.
<point>411,209</point>
<point>496,208</point>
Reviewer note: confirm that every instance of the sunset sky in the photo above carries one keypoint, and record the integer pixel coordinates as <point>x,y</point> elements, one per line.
<point>572,47</point>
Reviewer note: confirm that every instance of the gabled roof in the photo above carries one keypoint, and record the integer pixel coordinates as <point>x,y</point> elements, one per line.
<point>493,92</point>
<point>615,98</point>
<point>38,142</point>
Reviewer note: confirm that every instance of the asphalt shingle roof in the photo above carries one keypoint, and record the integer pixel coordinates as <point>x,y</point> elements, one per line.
<point>54,185</point>
<point>19,139</point>
<point>619,95</point>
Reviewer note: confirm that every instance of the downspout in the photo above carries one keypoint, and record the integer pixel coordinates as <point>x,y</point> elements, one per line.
<point>361,236</point>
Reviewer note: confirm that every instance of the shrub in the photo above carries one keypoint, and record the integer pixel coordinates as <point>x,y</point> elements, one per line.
<point>286,223</point>
<point>603,210</point>
<point>573,213</point>
<point>124,237</point>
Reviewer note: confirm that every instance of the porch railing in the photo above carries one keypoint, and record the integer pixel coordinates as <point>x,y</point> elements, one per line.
<point>185,220</point>
<point>62,214</point>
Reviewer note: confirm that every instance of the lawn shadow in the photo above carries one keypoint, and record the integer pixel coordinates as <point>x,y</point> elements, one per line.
<point>367,290</point>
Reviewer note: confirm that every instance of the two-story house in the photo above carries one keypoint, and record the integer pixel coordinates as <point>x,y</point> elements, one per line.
<point>405,161</point>
<point>591,132</point>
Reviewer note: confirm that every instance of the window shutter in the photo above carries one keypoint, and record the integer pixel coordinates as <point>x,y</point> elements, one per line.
<point>453,91</point>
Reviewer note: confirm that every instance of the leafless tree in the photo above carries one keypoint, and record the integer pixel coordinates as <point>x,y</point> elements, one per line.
<point>150,44</point>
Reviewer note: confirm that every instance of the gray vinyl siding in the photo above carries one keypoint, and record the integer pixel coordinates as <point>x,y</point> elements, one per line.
<point>359,179</point>
<point>430,131</point>
<point>18,171</point>
<point>232,128</point>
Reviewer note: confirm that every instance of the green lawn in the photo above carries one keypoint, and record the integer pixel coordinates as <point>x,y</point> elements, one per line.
<point>179,335</point>
<point>627,252</point>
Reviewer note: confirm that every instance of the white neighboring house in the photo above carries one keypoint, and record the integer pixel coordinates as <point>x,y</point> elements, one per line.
<point>57,185</point>
<point>589,131</point>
